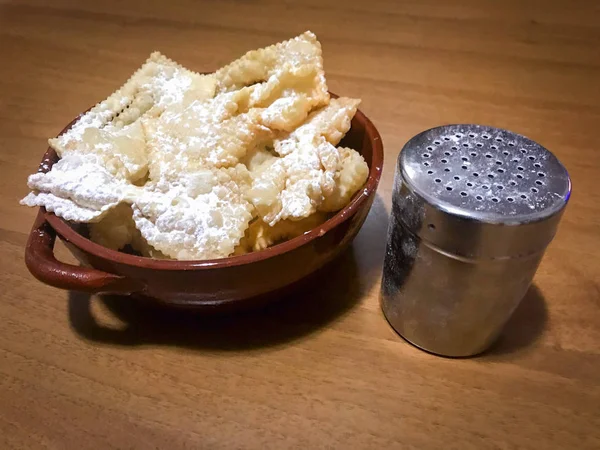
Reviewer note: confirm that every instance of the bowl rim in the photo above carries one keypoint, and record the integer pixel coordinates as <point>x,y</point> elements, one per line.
<point>369,188</point>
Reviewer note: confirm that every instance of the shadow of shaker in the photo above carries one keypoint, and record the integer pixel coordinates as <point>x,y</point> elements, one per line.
<point>523,328</point>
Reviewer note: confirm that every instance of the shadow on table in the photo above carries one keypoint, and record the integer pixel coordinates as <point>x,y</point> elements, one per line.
<point>333,291</point>
<point>523,328</point>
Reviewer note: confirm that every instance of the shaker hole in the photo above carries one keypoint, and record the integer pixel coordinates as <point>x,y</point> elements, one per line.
<point>479,197</point>
<point>448,188</point>
<point>470,184</point>
<point>446,170</point>
<point>457,177</point>
<point>534,190</point>
<point>464,194</point>
<point>437,180</point>
<point>541,174</point>
<point>464,158</point>
<point>510,199</point>
<point>495,200</point>
<point>519,176</point>
<point>430,172</point>
<point>539,182</point>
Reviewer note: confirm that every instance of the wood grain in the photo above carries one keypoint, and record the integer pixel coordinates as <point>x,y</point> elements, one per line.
<point>323,369</point>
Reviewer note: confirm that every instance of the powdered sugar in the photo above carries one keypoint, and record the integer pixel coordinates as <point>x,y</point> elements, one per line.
<point>205,226</point>
<point>311,163</point>
<point>168,147</point>
<point>65,208</point>
<point>78,186</point>
<point>331,122</point>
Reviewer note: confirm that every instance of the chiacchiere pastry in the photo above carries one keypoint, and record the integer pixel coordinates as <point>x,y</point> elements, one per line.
<point>187,166</point>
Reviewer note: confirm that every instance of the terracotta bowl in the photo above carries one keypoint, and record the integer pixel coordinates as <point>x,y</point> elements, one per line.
<point>230,283</point>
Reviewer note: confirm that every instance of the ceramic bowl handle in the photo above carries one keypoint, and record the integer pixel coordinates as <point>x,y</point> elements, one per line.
<point>40,260</point>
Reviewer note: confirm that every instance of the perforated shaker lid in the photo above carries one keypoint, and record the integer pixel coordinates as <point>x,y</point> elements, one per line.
<point>487,181</point>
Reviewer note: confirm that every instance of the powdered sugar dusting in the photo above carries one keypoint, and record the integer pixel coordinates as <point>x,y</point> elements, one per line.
<point>208,225</point>
<point>166,145</point>
<point>78,186</point>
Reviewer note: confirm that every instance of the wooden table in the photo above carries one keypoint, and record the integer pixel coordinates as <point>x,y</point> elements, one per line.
<point>323,370</point>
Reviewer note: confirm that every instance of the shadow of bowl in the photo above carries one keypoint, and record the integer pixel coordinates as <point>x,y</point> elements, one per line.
<point>321,299</point>
<point>328,294</point>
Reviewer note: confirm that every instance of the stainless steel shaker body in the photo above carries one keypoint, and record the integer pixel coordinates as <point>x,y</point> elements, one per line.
<point>473,211</point>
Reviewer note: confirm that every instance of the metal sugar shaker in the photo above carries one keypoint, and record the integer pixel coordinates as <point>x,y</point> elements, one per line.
<point>473,211</point>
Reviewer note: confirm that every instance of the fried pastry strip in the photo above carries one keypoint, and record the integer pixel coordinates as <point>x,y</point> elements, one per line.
<point>111,129</point>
